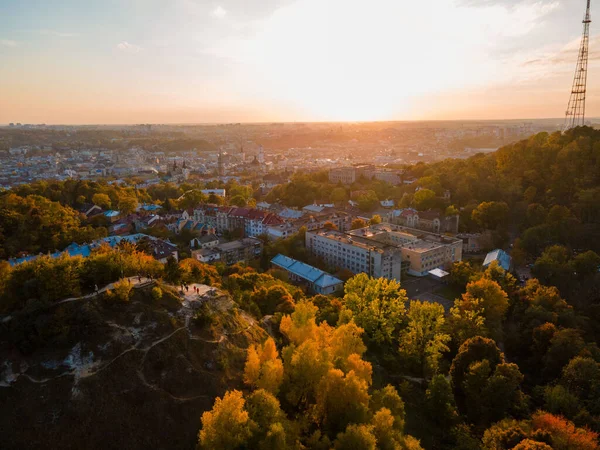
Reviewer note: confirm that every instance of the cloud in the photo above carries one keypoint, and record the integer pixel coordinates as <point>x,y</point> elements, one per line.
<point>61,34</point>
<point>8,43</point>
<point>376,59</point>
<point>129,48</point>
<point>219,12</point>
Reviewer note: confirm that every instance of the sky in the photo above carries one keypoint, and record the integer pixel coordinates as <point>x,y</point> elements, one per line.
<point>204,61</point>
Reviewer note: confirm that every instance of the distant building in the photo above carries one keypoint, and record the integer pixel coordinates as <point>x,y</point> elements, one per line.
<point>206,241</point>
<point>158,248</point>
<point>349,175</point>
<point>504,260</point>
<point>431,220</point>
<point>112,215</point>
<point>317,281</point>
<point>89,210</point>
<point>476,242</point>
<point>217,192</point>
<point>240,251</point>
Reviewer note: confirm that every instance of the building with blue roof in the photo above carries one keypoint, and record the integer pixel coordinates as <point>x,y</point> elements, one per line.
<point>161,250</point>
<point>318,281</point>
<point>112,215</point>
<point>503,258</point>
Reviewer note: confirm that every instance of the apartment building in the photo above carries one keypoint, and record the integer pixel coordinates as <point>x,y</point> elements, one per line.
<point>422,251</point>
<point>348,175</point>
<point>251,222</point>
<point>240,251</point>
<point>355,253</point>
<point>431,220</point>
<point>385,250</point>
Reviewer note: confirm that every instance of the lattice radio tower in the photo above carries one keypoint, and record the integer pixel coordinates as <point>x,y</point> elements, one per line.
<point>575,116</point>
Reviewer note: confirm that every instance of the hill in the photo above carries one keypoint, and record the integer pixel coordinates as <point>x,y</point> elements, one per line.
<point>98,373</point>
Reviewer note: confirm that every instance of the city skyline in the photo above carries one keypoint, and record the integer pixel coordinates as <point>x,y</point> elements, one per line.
<point>122,62</point>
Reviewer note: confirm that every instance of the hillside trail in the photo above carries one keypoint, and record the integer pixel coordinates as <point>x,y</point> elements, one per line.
<point>191,296</point>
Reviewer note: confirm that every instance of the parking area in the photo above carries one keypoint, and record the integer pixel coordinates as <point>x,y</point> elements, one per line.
<point>426,289</point>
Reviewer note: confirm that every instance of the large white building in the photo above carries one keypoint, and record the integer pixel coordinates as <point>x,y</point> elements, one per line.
<point>356,254</point>
<point>385,250</point>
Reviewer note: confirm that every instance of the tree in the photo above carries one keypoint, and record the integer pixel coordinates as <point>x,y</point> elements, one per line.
<point>101,200</point>
<point>273,299</point>
<point>227,425</point>
<point>375,220</point>
<point>264,369</point>
<point>461,273</point>
<point>271,427</point>
<point>564,346</point>
<point>451,211</point>
<point>157,293</point>
<point>173,272</point>
<point>330,226</point>
<point>490,215</point>
<point>530,444</point>
<point>301,325</point>
<point>388,436</point>
<point>494,301</point>
<point>582,377</point>
<point>563,433</point>
<point>424,199</point>
<point>440,405</point>
<point>338,195</point>
<point>473,350</point>
<point>423,340</point>
<point>466,320</point>
<point>377,305</point>
<point>192,199</point>
<point>127,205</point>
<point>358,223</point>
<point>389,399</point>
<point>368,201</point>
<point>342,400</point>
<point>237,200</point>
<point>121,292</point>
<point>356,437</point>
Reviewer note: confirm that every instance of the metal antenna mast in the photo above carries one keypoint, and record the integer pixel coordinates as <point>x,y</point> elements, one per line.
<point>575,116</point>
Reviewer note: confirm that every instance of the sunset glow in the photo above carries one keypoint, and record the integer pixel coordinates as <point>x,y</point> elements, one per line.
<point>197,61</point>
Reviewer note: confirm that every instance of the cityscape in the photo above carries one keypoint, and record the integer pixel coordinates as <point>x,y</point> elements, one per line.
<point>218,234</point>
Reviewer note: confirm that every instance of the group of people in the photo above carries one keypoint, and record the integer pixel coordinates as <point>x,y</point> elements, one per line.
<point>185,288</point>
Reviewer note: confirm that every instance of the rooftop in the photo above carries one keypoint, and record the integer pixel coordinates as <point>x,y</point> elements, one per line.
<point>503,258</point>
<point>305,271</point>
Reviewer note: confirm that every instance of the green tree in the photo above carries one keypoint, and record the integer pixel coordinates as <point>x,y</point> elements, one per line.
<point>173,272</point>
<point>377,306</point>
<point>494,302</point>
<point>338,195</point>
<point>461,273</point>
<point>473,350</point>
<point>440,405</point>
<point>237,200</point>
<point>342,400</point>
<point>490,215</point>
<point>423,340</point>
<point>424,199</point>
